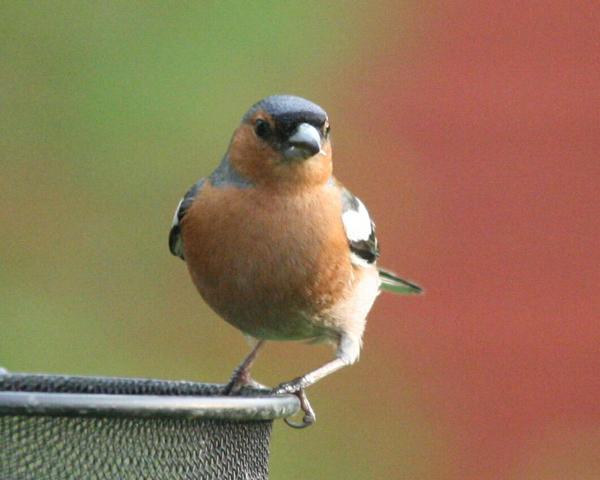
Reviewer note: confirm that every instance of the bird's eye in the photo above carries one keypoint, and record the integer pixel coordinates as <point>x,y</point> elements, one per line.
<point>326,129</point>
<point>262,128</point>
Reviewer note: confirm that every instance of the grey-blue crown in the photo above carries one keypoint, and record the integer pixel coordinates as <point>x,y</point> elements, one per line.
<point>288,105</point>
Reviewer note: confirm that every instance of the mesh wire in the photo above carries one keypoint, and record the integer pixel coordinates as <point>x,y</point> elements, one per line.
<point>99,448</point>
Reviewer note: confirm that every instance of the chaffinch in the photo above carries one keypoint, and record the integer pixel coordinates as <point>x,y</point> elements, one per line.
<point>277,246</point>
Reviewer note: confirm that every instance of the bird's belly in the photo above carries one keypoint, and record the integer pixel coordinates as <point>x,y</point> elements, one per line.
<point>259,298</point>
<point>270,270</point>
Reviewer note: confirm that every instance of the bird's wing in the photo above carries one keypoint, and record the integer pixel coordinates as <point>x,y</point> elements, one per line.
<point>175,240</point>
<point>360,229</point>
<point>364,249</point>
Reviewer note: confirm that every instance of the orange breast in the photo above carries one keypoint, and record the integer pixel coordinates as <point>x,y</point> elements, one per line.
<point>269,263</point>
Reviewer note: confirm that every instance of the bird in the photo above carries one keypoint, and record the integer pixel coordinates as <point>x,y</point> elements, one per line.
<point>278,247</point>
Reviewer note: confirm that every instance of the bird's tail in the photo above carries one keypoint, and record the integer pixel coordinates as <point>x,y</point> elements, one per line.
<point>390,282</point>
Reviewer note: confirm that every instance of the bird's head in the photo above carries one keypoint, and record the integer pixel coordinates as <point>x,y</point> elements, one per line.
<point>283,141</point>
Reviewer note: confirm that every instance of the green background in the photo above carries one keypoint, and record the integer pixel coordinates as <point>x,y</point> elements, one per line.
<point>111,110</point>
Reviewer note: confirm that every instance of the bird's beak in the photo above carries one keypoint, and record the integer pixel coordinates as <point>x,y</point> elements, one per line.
<point>303,143</point>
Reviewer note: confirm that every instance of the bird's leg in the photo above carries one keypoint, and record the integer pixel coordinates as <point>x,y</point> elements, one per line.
<point>297,386</point>
<point>241,375</point>
<point>300,383</point>
<point>347,353</point>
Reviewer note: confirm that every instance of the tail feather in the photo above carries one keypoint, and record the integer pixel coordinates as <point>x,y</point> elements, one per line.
<point>390,282</point>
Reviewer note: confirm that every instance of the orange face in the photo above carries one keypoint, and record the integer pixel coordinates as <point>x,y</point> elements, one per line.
<point>260,151</point>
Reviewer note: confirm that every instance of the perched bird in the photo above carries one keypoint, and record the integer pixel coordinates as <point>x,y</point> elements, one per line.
<point>277,246</point>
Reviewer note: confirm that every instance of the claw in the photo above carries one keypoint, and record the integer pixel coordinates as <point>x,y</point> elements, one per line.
<point>234,386</point>
<point>296,387</point>
<point>231,388</point>
<point>239,380</point>
<point>309,414</point>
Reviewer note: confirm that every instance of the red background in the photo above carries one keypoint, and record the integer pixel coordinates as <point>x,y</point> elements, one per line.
<point>494,115</point>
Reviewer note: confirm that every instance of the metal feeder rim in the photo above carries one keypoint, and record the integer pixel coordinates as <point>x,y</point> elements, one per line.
<point>258,405</point>
<point>94,405</point>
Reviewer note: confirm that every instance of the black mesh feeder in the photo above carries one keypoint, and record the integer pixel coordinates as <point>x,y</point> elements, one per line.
<point>62,427</point>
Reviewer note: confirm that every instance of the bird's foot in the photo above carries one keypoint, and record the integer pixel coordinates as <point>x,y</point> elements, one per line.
<point>296,387</point>
<point>309,414</point>
<point>239,380</point>
<point>293,386</point>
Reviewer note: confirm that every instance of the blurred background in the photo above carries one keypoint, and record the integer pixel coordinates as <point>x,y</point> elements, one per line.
<point>470,129</point>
